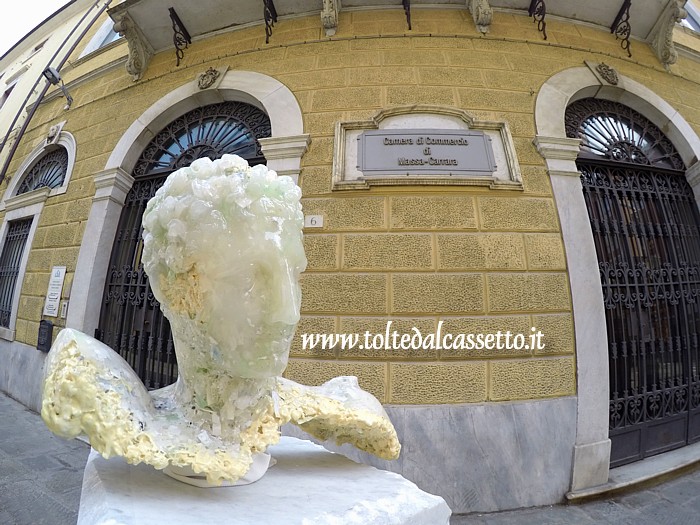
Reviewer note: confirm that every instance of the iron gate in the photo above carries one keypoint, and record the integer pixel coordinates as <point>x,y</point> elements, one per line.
<point>645,225</point>
<point>131,321</point>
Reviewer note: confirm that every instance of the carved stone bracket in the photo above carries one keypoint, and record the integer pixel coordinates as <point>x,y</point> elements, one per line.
<point>481,13</point>
<point>329,17</point>
<point>140,51</point>
<point>662,34</point>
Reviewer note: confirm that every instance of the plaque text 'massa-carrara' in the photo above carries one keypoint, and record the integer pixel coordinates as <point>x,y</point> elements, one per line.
<point>425,152</point>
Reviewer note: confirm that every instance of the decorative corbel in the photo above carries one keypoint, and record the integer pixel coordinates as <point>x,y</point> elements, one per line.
<point>140,51</point>
<point>662,34</point>
<point>329,17</point>
<point>482,14</point>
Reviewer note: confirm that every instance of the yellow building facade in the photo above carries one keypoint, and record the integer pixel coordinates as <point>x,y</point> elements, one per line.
<point>487,429</point>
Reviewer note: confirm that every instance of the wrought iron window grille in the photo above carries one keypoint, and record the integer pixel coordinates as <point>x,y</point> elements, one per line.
<point>616,132</point>
<point>49,171</point>
<point>646,230</point>
<point>10,259</point>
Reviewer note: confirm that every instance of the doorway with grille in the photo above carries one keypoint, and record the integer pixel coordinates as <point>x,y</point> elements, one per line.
<point>131,321</point>
<point>646,230</point>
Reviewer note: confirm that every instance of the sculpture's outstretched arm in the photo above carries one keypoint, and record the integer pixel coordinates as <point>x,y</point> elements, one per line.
<point>339,410</point>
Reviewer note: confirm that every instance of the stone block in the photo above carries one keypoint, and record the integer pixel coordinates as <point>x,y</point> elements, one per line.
<point>60,236</point>
<point>344,293</point>
<point>545,251</point>
<point>401,96</point>
<point>321,251</point>
<point>557,333</point>
<point>304,80</point>
<point>342,491</point>
<point>516,324</point>
<point>391,251</point>
<point>534,64</point>
<point>361,17</point>
<point>437,383</point>
<point>79,210</point>
<point>412,57</point>
<point>528,292</point>
<point>517,214</point>
<point>320,151</point>
<point>536,180</point>
<point>346,98</point>
<point>315,180</point>
<point>443,42</point>
<point>377,326</point>
<point>476,61</point>
<point>385,75</point>
<point>370,376</point>
<point>433,212</point>
<point>283,65</point>
<point>361,44</point>
<point>531,378</point>
<point>502,46</point>
<point>319,124</point>
<point>39,260</point>
<point>313,325</point>
<point>436,293</point>
<point>354,213</point>
<point>450,76</point>
<point>54,214</point>
<point>526,151</point>
<point>496,100</point>
<point>353,59</point>
<point>476,251</point>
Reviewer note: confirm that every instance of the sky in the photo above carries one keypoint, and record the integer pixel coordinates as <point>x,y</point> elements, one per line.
<point>16,22</point>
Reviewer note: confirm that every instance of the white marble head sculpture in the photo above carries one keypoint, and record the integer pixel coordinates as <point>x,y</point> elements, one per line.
<point>223,252</point>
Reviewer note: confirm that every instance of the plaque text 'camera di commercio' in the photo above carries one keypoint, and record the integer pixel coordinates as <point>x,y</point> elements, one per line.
<point>425,152</point>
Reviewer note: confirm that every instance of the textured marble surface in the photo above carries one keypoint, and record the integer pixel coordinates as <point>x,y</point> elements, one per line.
<point>307,486</point>
<point>483,457</point>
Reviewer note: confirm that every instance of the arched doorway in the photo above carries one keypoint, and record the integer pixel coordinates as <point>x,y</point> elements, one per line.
<point>131,321</point>
<point>646,231</point>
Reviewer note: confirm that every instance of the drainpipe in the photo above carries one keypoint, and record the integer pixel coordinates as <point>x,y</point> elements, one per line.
<point>46,87</point>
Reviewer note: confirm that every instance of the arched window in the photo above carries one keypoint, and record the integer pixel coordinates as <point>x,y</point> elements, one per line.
<point>616,132</point>
<point>49,171</point>
<point>131,321</point>
<point>211,131</point>
<point>646,230</point>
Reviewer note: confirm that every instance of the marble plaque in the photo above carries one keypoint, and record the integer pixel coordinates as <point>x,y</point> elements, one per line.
<point>425,152</point>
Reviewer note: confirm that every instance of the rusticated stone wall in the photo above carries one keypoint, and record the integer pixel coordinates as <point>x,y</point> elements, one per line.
<point>475,259</point>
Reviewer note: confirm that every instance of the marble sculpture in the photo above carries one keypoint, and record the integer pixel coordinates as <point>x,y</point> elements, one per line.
<point>223,251</point>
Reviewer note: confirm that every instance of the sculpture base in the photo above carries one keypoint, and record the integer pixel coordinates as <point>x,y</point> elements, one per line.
<point>308,485</point>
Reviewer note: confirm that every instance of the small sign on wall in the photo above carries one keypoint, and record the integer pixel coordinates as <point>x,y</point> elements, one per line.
<point>313,221</point>
<point>53,294</point>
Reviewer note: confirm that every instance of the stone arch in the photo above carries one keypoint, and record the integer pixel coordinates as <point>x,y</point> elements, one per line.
<point>283,151</point>
<point>61,139</point>
<point>592,445</point>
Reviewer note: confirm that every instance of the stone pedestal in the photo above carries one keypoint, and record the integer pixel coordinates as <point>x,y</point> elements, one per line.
<point>307,486</point>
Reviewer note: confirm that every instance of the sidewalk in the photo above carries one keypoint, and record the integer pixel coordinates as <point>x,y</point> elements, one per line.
<point>41,476</point>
